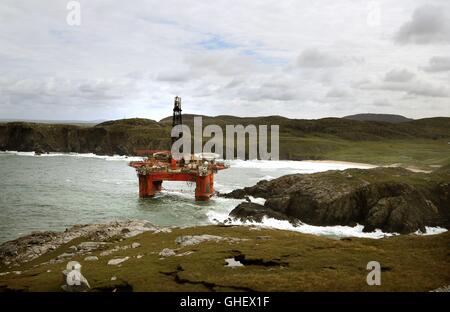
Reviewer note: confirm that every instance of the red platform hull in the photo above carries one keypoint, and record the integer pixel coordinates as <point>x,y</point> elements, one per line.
<point>150,184</point>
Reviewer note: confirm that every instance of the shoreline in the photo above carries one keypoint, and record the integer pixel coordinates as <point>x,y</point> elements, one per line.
<point>360,165</point>
<point>138,256</point>
<point>132,227</point>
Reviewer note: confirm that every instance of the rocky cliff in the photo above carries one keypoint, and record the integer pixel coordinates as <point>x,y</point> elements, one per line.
<point>390,199</point>
<point>108,138</point>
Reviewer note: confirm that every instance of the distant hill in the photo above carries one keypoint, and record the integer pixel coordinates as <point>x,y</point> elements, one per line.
<point>414,141</point>
<point>379,117</point>
<point>56,122</point>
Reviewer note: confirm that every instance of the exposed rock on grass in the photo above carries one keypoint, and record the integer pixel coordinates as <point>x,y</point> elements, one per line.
<point>117,261</point>
<point>32,246</point>
<point>198,239</point>
<point>167,252</point>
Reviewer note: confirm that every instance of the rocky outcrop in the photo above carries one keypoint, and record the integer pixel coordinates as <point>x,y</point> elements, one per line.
<point>390,199</point>
<point>32,246</point>
<point>256,212</point>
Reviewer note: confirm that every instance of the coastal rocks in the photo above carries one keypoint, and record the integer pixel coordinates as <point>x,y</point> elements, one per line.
<point>254,212</point>
<point>90,246</point>
<point>135,245</point>
<point>117,261</point>
<point>167,252</point>
<point>91,258</point>
<point>30,247</point>
<point>390,199</point>
<point>65,255</point>
<point>232,263</point>
<point>118,248</point>
<point>189,240</point>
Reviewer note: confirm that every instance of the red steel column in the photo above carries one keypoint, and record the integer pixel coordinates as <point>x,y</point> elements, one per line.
<point>211,183</point>
<point>203,189</point>
<point>157,185</point>
<point>150,186</point>
<point>142,185</point>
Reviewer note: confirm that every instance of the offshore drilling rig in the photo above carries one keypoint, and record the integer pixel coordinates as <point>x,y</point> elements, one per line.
<point>160,166</point>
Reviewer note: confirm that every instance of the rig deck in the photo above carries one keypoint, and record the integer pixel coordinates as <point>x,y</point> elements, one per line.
<point>160,166</point>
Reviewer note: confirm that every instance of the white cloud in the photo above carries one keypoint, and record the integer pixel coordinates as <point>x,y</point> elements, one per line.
<point>298,59</point>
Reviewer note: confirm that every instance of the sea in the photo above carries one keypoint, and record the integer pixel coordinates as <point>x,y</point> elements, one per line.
<point>51,192</point>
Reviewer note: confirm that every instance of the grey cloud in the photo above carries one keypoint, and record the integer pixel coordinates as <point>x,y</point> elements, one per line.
<point>427,89</point>
<point>429,24</point>
<point>415,87</point>
<point>438,64</point>
<point>222,63</point>
<point>337,93</point>
<point>399,75</point>
<point>314,58</point>
<point>173,76</point>
<point>270,89</point>
<point>381,103</point>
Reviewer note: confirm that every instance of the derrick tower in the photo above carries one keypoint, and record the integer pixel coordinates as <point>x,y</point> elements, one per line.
<point>176,118</point>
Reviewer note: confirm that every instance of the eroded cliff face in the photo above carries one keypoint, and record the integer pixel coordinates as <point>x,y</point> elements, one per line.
<point>390,199</point>
<point>106,139</point>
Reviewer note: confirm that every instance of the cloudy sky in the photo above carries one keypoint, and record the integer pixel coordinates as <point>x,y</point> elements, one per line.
<point>299,59</point>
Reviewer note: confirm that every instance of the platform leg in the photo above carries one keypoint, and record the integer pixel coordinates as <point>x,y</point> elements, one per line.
<point>150,187</point>
<point>211,184</point>
<point>157,185</point>
<point>203,190</point>
<point>142,186</point>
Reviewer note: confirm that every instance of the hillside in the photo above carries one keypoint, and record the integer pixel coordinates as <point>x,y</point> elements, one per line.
<point>422,142</point>
<point>379,117</point>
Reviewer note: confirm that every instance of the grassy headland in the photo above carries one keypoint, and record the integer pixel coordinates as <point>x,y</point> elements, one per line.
<point>422,143</point>
<point>274,260</point>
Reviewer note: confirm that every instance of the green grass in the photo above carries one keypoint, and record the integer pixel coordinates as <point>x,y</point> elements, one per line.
<point>300,262</point>
<point>419,153</point>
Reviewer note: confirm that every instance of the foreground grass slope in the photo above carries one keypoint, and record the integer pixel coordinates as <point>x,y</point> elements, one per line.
<point>274,260</point>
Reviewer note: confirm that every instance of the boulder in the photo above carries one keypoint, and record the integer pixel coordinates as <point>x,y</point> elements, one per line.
<point>167,252</point>
<point>117,261</point>
<point>254,212</point>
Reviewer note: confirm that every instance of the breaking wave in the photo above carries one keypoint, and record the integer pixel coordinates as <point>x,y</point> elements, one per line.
<point>78,155</point>
<point>336,231</point>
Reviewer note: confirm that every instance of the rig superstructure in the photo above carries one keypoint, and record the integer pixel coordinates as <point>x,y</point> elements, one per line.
<point>160,166</point>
